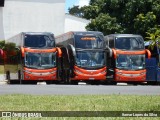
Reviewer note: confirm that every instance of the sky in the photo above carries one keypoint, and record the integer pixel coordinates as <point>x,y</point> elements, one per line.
<point>71,3</point>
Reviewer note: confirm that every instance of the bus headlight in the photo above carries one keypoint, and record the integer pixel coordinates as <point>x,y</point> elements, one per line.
<point>103,72</point>
<point>27,77</point>
<point>77,71</point>
<point>27,71</point>
<point>119,73</point>
<point>143,73</point>
<point>53,72</point>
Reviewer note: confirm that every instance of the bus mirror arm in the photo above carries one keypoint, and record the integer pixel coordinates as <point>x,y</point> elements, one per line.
<point>22,51</point>
<point>109,50</point>
<point>148,53</point>
<point>114,53</point>
<point>59,52</point>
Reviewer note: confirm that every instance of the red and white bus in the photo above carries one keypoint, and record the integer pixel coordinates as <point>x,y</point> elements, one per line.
<point>84,56</point>
<point>32,57</point>
<point>128,61</point>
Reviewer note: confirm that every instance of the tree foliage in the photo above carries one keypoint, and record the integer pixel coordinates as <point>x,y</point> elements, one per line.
<point>122,16</point>
<point>105,24</point>
<point>154,37</point>
<point>2,44</point>
<point>75,10</point>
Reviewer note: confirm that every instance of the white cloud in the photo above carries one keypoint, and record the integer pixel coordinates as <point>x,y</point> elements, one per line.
<point>83,2</point>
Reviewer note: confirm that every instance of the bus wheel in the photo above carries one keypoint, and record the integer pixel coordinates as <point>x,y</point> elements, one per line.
<point>13,81</point>
<point>49,82</point>
<point>73,82</point>
<point>29,82</point>
<point>113,83</point>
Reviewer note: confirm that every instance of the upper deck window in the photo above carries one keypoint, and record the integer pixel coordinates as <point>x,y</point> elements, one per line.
<point>88,42</point>
<point>38,41</point>
<point>129,43</point>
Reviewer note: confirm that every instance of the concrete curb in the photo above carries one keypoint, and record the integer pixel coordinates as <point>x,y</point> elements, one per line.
<point>3,82</point>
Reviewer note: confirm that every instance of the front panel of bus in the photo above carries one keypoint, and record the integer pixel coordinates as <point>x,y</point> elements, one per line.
<point>40,64</point>
<point>130,67</point>
<point>89,58</point>
<point>130,59</point>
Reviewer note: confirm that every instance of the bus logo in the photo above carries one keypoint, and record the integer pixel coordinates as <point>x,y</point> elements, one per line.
<point>6,114</point>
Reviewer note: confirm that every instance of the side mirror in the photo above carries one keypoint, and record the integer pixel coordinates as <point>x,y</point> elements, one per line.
<point>148,53</point>
<point>109,50</point>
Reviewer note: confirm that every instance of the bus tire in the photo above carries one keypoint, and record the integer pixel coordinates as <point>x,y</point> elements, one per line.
<point>73,82</point>
<point>49,82</point>
<point>29,82</point>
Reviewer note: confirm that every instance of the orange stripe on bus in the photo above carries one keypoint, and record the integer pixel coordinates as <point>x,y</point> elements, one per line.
<point>39,50</point>
<point>130,52</point>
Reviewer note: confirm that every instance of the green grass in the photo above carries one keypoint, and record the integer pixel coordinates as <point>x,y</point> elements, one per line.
<point>80,103</point>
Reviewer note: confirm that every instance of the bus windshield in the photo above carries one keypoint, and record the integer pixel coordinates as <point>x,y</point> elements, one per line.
<point>129,43</point>
<point>130,62</point>
<point>38,41</point>
<point>40,60</point>
<point>88,42</point>
<point>90,59</point>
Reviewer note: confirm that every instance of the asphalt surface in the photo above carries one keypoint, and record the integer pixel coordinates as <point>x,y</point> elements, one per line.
<point>79,89</point>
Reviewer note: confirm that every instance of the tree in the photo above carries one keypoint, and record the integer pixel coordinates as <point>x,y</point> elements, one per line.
<point>2,44</point>
<point>144,22</point>
<point>75,10</point>
<point>154,37</point>
<point>10,46</point>
<point>131,16</point>
<point>105,24</point>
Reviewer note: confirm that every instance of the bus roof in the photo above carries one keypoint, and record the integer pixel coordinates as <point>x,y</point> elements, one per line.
<point>82,33</point>
<point>124,35</point>
<point>86,32</point>
<point>37,33</point>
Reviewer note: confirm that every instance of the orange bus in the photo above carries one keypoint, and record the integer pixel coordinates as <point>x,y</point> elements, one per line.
<point>32,57</point>
<point>83,56</point>
<point>128,61</point>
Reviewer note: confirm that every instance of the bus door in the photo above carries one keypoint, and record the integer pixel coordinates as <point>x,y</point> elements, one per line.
<point>151,69</point>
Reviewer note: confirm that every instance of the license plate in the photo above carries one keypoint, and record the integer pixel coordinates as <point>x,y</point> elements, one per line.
<point>91,78</point>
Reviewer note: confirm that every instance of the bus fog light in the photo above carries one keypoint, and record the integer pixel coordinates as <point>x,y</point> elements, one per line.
<point>53,77</point>
<point>27,77</point>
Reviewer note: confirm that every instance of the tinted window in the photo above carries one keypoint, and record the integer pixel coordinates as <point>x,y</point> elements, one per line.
<point>88,42</point>
<point>39,41</point>
<point>129,43</point>
<point>130,62</point>
<point>90,59</point>
<point>40,60</point>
